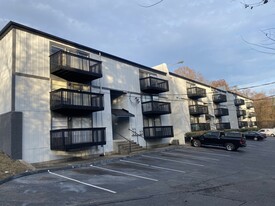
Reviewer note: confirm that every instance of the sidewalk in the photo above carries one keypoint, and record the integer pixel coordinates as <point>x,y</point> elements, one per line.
<point>74,162</point>
<point>77,162</point>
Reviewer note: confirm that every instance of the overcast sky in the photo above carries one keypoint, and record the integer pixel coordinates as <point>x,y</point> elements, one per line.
<point>208,35</point>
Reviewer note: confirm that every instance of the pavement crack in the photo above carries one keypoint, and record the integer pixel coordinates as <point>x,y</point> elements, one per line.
<point>212,189</point>
<point>115,201</point>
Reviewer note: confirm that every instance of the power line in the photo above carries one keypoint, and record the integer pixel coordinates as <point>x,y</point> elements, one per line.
<point>254,86</point>
<point>264,98</point>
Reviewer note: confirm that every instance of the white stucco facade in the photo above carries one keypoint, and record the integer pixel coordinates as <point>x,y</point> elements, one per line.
<point>6,72</point>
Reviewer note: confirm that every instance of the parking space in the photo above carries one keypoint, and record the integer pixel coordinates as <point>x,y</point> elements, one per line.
<point>179,176</point>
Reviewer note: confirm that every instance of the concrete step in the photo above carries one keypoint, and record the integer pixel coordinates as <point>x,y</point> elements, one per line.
<point>133,146</point>
<point>123,147</point>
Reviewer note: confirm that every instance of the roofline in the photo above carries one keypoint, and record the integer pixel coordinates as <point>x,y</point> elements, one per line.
<point>204,84</point>
<point>12,25</point>
<point>234,93</point>
<point>207,85</point>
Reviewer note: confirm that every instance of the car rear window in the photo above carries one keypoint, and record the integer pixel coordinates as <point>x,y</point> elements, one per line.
<point>233,134</point>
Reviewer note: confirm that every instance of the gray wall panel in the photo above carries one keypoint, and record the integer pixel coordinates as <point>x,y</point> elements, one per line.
<point>11,134</point>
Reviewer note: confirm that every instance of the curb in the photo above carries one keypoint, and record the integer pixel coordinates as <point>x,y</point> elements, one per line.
<point>82,165</point>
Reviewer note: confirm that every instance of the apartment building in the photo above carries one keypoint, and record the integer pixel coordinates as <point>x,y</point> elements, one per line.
<point>201,107</point>
<point>62,99</point>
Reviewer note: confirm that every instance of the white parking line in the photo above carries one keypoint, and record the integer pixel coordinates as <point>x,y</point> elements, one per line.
<point>192,156</point>
<point>110,170</point>
<point>84,183</point>
<point>195,151</point>
<point>183,162</point>
<point>157,167</point>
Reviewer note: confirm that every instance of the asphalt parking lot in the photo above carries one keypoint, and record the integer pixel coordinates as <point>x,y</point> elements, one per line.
<point>179,176</point>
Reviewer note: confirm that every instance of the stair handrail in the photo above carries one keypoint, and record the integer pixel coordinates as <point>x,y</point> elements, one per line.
<point>135,134</point>
<point>130,145</point>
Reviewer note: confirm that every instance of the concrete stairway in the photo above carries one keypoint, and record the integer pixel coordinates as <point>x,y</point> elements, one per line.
<point>123,147</point>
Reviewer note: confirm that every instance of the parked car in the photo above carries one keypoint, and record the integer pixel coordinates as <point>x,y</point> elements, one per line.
<point>230,140</point>
<point>254,135</point>
<point>268,131</point>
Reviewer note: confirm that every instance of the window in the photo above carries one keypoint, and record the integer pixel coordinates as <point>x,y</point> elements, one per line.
<point>212,134</point>
<point>55,49</point>
<point>152,122</point>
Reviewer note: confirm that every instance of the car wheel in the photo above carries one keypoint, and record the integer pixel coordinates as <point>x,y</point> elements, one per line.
<point>229,146</point>
<point>272,135</point>
<point>196,143</point>
<point>256,138</point>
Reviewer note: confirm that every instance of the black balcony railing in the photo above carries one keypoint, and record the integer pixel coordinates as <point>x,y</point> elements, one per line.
<point>158,132</point>
<point>238,102</point>
<point>156,108</point>
<point>200,127</point>
<point>223,126</point>
<point>198,110</point>
<point>252,124</point>
<point>243,124</point>
<point>219,98</point>
<point>73,103</point>
<point>153,85</point>
<point>249,105</point>
<point>196,92</point>
<point>75,68</point>
<point>78,138</point>
<point>251,114</point>
<point>241,113</point>
<point>221,112</point>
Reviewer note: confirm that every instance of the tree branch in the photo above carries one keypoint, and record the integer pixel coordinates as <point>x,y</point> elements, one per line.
<point>255,4</point>
<point>151,4</point>
<point>271,49</point>
<point>268,35</point>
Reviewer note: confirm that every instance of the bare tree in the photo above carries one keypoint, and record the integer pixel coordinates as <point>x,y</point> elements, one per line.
<point>190,73</point>
<point>220,83</point>
<point>265,110</point>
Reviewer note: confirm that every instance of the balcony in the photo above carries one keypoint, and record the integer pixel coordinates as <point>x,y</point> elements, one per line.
<point>249,105</point>
<point>241,113</point>
<point>75,103</point>
<point>221,112</point>
<point>196,92</point>
<point>75,68</point>
<point>243,124</point>
<point>158,132</point>
<point>251,114</point>
<point>77,138</point>
<point>200,127</point>
<point>219,98</point>
<point>152,108</point>
<point>153,85</point>
<point>238,102</point>
<point>252,124</point>
<point>223,126</point>
<point>196,110</point>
